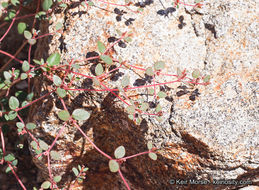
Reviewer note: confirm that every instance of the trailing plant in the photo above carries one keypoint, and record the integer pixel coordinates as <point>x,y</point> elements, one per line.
<point>62,77</point>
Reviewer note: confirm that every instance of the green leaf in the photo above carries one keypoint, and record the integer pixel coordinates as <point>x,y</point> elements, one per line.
<point>119,152</point>
<point>128,39</point>
<point>106,59</point>
<point>75,171</point>
<point>5,4</point>
<point>30,126</point>
<point>7,75</point>
<point>113,166</point>
<point>45,185</point>
<point>101,47</point>
<point>25,66</point>
<point>15,162</point>
<point>99,69</point>
<point>27,34</point>
<point>131,109</point>
<point>43,145</point>
<point>196,73</point>
<point>57,179</point>
<point>30,96</point>
<point>8,169</point>
<point>96,81</point>
<point>161,94</point>
<point>24,76</point>
<point>80,114</point>
<point>63,5</point>
<point>149,71</point>
<point>159,65</point>
<point>125,81</point>
<point>20,125</point>
<point>53,59</point>
<point>64,115</point>
<point>57,80</point>
<point>21,27</point>
<point>55,155</point>
<point>15,2</point>
<point>158,108</point>
<point>11,115</point>
<point>206,78</point>
<point>149,145</point>
<point>13,102</point>
<point>47,4</point>
<point>144,106</point>
<point>32,41</point>
<point>152,155</point>
<point>90,3</point>
<point>58,26</point>
<point>131,117</point>
<point>61,92</point>
<point>9,157</point>
<point>34,145</point>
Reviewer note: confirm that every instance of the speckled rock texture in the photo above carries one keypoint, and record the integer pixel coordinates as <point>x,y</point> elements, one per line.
<point>214,137</point>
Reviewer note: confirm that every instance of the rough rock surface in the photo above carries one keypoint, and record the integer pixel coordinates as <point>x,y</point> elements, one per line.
<point>214,137</point>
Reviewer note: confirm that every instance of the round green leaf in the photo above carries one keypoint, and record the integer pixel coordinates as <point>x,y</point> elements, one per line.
<point>131,117</point>
<point>32,41</point>
<point>25,66</point>
<point>47,4</point>
<point>61,92</point>
<point>80,114</point>
<point>43,145</point>
<point>13,102</point>
<point>64,115</point>
<point>7,75</point>
<point>101,47</point>
<point>55,155</point>
<point>45,185</point>
<point>113,166</point>
<point>24,76</point>
<point>206,78</point>
<point>58,26</point>
<point>106,59</point>
<point>15,2</point>
<point>11,115</point>
<point>131,109</point>
<point>53,59</point>
<point>159,65</point>
<point>99,69</point>
<point>57,80</point>
<point>15,162</point>
<point>144,106</point>
<point>20,125</point>
<point>9,157</point>
<point>149,145</point>
<point>152,155</point>
<point>21,27</point>
<point>27,34</point>
<point>161,94</point>
<point>128,39</point>
<point>149,71</point>
<point>158,108</point>
<point>125,81</point>
<point>8,169</point>
<point>196,73</point>
<point>57,179</point>
<point>75,171</point>
<point>151,91</point>
<point>30,126</point>
<point>119,152</point>
<point>34,145</point>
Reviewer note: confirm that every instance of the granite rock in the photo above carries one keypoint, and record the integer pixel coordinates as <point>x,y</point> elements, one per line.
<point>214,137</point>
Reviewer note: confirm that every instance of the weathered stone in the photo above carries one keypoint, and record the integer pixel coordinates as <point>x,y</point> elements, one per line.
<point>214,137</point>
